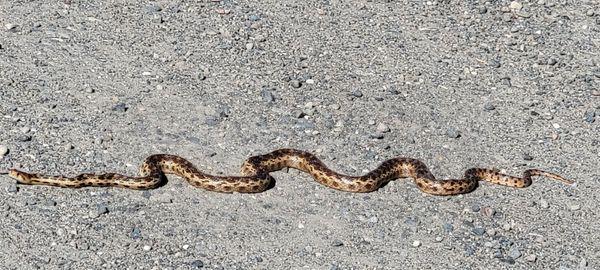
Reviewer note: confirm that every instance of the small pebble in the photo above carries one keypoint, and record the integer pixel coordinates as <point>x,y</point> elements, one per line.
<point>357,93</point>
<point>201,76</point>
<point>120,107</point>
<point>382,128</point>
<point>101,209</point>
<point>479,231</point>
<point>24,138</point>
<point>590,116</point>
<point>3,150</point>
<point>488,211</point>
<point>50,203</point>
<point>514,5</point>
<point>470,250</point>
<point>574,207</point>
<point>489,107</point>
<point>25,129</point>
<point>475,208</point>
<point>147,248</point>
<point>267,96</point>
<point>439,239</point>
<point>448,227</point>
<point>590,12</point>
<point>373,219</point>
<point>544,204</point>
<point>556,125</point>
<point>197,264</point>
<point>12,189</point>
<point>452,133</point>
<point>10,26</point>
<point>337,243</point>
<point>527,157</point>
<point>136,233</point>
<point>416,243</point>
<point>376,135</point>
<point>295,83</point>
<point>531,258</point>
<point>514,252</point>
<point>249,46</point>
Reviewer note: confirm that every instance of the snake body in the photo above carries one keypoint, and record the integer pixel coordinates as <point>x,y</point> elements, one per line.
<point>256,178</point>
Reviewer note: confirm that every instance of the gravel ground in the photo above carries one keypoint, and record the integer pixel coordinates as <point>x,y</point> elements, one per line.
<point>100,85</point>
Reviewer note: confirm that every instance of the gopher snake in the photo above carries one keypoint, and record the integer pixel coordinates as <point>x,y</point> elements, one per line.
<point>256,178</point>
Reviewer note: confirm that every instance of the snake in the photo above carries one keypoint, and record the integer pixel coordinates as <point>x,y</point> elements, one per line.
<point>255,175</point>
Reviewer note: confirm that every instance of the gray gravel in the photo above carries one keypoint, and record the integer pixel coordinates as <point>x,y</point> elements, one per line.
<point>94,86</point>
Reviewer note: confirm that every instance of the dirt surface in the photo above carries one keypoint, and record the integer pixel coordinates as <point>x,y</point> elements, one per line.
<point>96,86</point>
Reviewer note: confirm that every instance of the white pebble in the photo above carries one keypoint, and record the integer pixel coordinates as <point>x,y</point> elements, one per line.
<point>10,26</point>
<point>416,243</point>
<point>556,125</point>
<point>514,5</point>
<point>544,204</point>
<point>300,226</point>
<point>531,258</point>
<point>147,248</point>
<point>439,238</point>
<point>249,46</point>
<point>382,128</point>
<point>310,81</point>
<point>3,150</point>
<point>186,246</point>
<point>574,207</point>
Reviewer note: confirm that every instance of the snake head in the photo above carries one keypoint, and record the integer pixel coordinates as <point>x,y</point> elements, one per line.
<point>16,174</point>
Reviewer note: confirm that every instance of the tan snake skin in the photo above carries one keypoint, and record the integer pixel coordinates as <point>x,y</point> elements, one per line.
<point>256,178</point>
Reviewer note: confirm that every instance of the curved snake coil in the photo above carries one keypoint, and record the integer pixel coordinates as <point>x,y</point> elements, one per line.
<point>256,178</point>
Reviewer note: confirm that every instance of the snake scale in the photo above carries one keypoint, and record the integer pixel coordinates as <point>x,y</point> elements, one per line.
<point>256,178</point>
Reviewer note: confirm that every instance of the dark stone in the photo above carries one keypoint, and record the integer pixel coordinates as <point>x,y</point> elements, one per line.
<point>357,93</point>
<point>267,96</point>
<point>478,231</point>
<point>197,264</point>
<point>120,107</point>
<point>135,233</point>
<point>590,116</point>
